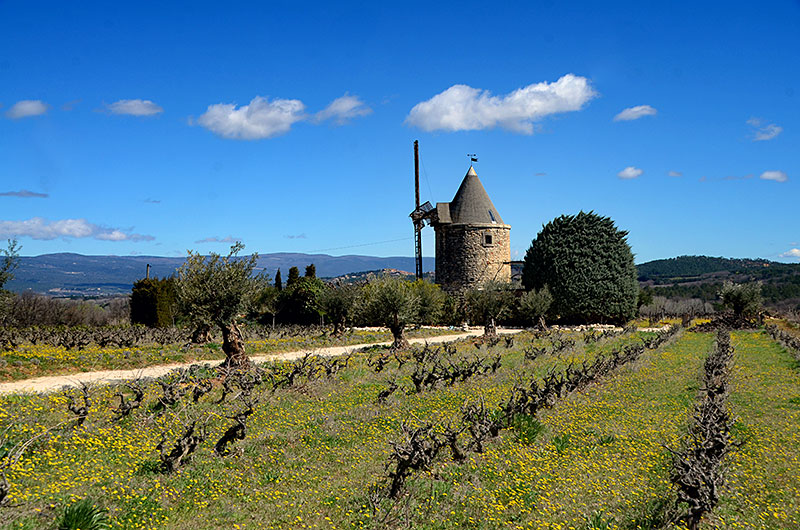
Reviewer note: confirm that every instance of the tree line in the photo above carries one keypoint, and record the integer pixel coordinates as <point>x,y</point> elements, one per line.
<point>579,269</point>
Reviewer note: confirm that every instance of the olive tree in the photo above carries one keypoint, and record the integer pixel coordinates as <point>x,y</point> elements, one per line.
<point>394,303</point>
<point>533,305</point>
<point>431,302</point>
<point>9,261</point>
<point>268,303</point>
<point>489,303</point>
<point>216,290</point>
<point>338,303</point>
<point>743,298</point>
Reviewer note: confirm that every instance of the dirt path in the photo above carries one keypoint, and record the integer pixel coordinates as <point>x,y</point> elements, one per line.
<point>57,382</point>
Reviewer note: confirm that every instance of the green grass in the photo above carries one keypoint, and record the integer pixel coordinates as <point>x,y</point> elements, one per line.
<point>30,360</point>
<point>312,453</point>
<point>763,489</point>
<point>601,458</point>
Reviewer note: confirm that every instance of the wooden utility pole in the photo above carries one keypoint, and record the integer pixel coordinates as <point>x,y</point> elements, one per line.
<point>417,223</point>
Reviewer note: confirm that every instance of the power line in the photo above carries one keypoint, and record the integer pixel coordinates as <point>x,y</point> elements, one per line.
<point>361,244</point>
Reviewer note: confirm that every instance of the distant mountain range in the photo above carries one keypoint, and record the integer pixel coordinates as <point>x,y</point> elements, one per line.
<point>100,276</point>
<point>67,274</point>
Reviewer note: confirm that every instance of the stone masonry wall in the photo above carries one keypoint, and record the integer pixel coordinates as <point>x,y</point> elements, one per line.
<point>464,260</point>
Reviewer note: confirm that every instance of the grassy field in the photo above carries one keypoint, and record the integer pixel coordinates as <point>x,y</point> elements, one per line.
<point>315,451</point>
<point>30,360</point>
<point>764,474</point>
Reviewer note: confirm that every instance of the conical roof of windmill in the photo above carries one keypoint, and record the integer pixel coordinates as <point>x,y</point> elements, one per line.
<point>472,204</point>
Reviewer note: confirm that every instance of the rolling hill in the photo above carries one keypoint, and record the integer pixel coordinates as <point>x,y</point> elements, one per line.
<point>703,276</point>
<point>77,275</point>
<point>66,274</point>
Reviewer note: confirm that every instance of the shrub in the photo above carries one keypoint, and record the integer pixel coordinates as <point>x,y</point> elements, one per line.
<point>526,428</point>
<point>82,515</point>
<point>587,264</point>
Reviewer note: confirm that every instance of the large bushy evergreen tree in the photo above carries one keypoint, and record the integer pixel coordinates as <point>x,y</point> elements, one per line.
<point>587,264</point>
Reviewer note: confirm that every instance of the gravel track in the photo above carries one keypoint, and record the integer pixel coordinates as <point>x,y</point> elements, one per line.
<point>52,383</point>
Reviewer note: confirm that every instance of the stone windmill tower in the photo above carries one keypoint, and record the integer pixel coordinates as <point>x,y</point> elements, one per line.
<point>473,245</point>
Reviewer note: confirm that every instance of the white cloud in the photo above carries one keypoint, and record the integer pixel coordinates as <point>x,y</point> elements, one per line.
<point>134,107</point>
<point>343,109</point>
<point>112,235</point>
<point>463,108</point>
<point>777,176</point>
<point>39,228</point>
<point>791,253</point>
<point>27,108</point>
<point>767,133</point>
<point>260,119</point>
<point>675,174</point>
<point>215,239</point>
<point>630,172</point>
<point>634,113</point>
<point>762,131</point>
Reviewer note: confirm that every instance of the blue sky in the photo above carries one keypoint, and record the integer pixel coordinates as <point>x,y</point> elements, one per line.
<point>153,128</point>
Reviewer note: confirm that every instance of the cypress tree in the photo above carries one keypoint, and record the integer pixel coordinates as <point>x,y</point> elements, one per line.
<point>294,275</point>
<point>153,302</point>
<point>311,271</point>
<point>587,264</point>
<point>278,281</point>
<point>167,303</point>
<point>144,302</point>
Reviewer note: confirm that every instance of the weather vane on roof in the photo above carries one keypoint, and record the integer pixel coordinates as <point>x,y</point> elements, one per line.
<point>472,157</point>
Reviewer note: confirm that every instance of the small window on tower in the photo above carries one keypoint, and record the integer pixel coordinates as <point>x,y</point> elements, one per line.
<point>487,239</point>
